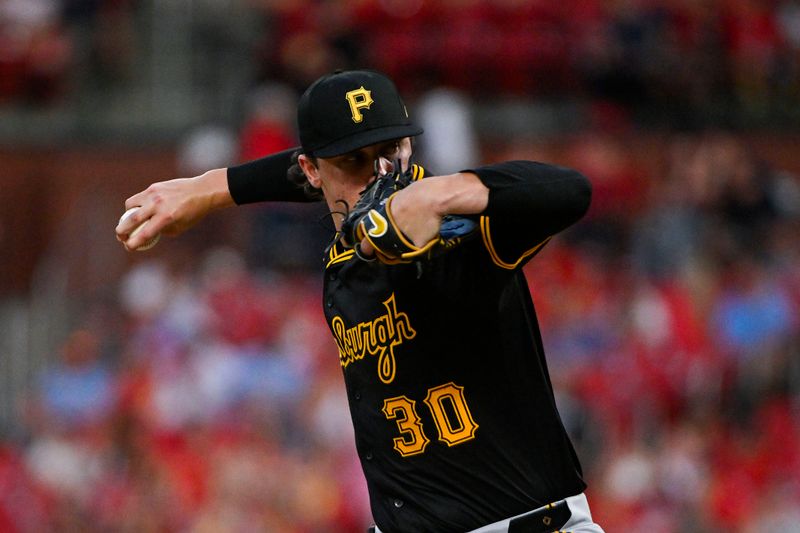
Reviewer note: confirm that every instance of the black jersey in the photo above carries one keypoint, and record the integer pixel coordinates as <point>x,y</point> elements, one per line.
<point>455,421</point>
<point>454,416</point>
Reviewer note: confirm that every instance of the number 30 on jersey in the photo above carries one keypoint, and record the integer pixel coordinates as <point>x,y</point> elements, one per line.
<point>450,413</point>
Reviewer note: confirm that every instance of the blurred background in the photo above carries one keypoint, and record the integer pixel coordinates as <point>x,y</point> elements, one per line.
<point>194,387</point>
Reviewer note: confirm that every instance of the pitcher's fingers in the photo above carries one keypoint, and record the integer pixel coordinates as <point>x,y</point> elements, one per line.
<point>366,248</point>
<point>150,227</point>
<point>135,241</point>
<point>135,201</point>
<point>129,223</point>
<point>148,200</point>
<point>142,198</point>
<point>160,222</point>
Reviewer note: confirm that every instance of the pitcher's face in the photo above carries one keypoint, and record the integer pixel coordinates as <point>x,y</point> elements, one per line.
<point>343,177</point>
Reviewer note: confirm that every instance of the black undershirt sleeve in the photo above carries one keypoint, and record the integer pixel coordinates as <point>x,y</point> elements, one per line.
<point>265,179</point>
<point>530,202</point>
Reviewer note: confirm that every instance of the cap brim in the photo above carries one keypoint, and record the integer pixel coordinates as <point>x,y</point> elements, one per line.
<point>366,138</point>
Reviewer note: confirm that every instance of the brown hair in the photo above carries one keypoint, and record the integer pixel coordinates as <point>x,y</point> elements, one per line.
<point>298,177</point>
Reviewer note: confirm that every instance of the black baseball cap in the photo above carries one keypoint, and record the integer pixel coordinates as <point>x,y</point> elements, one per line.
<point>351,109</point>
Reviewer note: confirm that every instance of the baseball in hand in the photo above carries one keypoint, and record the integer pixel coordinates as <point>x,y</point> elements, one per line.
<point>149,244</point>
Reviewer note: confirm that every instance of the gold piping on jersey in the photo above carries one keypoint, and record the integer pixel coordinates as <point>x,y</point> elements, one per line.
<point>487,240</point>
<point>414,249</point>
<point>335,256</point>
<point>417,172</point>
<point>377,337</point>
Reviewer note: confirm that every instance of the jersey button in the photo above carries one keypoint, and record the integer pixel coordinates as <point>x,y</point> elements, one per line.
<point>368,456</point>
<point>398,503</point>
<point>357,395</point>
<point>329,303</point>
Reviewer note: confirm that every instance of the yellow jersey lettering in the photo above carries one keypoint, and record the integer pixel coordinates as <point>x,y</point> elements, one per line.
<point>450,412</point>
<point>452,430</point>
<point>412,439</point>
<point>379,337</point>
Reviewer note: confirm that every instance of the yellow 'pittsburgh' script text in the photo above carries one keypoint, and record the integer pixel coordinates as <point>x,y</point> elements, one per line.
<point>377,337</point>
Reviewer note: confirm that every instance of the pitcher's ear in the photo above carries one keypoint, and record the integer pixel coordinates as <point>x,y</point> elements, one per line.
<point>310,169</point>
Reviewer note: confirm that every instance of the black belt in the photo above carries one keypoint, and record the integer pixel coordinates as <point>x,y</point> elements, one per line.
<point>551,518</point>
<point>548,519</point>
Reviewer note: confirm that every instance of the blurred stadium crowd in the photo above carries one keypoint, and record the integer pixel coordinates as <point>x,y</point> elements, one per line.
<point>680,61</point>
<point>203,395</point>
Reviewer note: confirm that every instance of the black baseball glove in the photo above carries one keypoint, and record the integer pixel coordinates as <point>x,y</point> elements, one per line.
<point>371,218</point>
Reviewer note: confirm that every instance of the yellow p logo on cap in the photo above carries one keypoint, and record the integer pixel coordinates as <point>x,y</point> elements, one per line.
<point>358,99</point>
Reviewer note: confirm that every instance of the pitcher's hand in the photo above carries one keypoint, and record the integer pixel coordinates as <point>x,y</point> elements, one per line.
<point>173,206</point>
